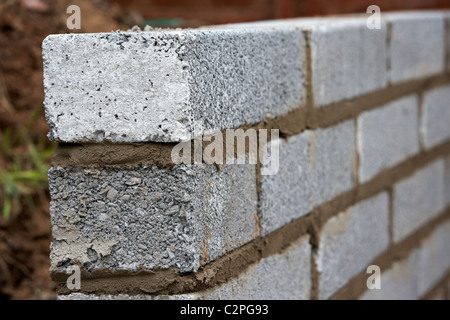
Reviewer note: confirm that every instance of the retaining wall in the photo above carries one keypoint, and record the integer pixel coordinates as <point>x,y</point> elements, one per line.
<point>363,148</point>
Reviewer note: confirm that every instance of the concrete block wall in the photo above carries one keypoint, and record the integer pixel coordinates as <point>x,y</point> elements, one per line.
<point>362,154</point>
<point>412,276</point>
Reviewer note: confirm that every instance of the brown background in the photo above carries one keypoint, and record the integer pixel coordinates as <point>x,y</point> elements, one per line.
<point>25,235</point>
<point>197,12</point>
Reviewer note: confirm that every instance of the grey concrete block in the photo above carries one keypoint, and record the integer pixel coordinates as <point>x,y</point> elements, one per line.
<point>314,167</point>
<point>287,195</point>
<point>150,218</point>
<point>435,128</point>
<point>154,86</point>
<point>348,59</point>
<point>281,276</point>
<point>350,241</point>
<point>418,199</point>
<point>387,135</point>
<point>416,44</point>
<point>434,259</point>
<point>333,161</point>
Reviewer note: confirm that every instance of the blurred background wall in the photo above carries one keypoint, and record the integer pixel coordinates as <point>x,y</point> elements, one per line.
<point>200,12</point>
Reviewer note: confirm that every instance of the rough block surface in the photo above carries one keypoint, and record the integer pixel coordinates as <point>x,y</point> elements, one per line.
<point>387,135</point>
<point>154,86</point>
<point>287,195</point>
<point>282,276</point>
<point>314,167</point>
<point>434,259</point>
<point>350,241</point>
<point>348,59</point>
<point>416,45</point>
<point>150,218</point>
<point>333,161</point>
<point>418,199</point>
<point>435,120</point>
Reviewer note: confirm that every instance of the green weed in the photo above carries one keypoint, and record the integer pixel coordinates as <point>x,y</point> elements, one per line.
<point>27,156</point>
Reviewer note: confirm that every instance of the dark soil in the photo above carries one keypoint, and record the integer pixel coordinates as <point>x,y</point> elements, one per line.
<point>25,237</point>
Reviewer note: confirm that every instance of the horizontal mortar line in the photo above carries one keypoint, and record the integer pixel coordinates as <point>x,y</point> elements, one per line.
<point>293,123</point>
<point>334,113</point>
<point>441,284</point>
<point>396,252</point>
<point>238,260</point>
<point>386,178</point>
<point>113,155</point>
<point>167,281</point>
